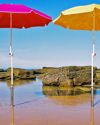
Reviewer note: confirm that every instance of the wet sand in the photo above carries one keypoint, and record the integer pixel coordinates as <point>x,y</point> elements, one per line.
<point>34,108</point>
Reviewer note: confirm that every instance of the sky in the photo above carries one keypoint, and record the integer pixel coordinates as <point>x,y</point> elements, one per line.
<point>48,46</point>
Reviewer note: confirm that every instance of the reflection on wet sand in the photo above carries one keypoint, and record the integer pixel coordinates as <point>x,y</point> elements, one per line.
<point>68,96</point>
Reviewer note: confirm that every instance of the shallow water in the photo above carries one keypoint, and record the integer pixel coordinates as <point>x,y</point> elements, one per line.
<point>34,104</point>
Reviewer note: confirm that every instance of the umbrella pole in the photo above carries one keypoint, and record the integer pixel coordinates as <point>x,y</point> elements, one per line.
<point>92,71</point>
<point>11,53</point>
<point>93,51</point>
<point>12,85</point>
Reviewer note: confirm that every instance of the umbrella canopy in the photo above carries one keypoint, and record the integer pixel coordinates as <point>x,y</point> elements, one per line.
<point>22,16</point>
<point>80,18</point>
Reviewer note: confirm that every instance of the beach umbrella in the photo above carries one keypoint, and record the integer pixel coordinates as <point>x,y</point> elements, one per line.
<point>82,18</point>
<point>20,16</point>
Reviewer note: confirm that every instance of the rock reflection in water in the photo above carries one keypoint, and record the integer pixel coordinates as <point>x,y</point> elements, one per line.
<point>64,91</point>
<point>68,96</point>
<point>19,82</point>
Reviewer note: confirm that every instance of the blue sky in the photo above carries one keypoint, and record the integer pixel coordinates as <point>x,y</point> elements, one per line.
<point>51,45</point>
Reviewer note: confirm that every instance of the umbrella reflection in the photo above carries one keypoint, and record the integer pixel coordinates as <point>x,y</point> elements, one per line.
<point>92,97</point>
<point>92,107</point>
<point>92,116</point>
<point>12,105</point>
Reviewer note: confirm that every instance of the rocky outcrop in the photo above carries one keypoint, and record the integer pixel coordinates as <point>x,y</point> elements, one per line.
<point>97,79</point>
<point>2,75</point>
<point>18,74</point>
<point>21,74</point>
<point>51,76</point>
<point>67,76</point>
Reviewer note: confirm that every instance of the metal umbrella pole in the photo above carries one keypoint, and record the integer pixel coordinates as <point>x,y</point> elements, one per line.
<point>93,51</point>
<point>11,53</point>
<point>92,61</point>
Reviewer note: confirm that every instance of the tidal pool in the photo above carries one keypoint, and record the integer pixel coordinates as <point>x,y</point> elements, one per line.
<point>30,103</point>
